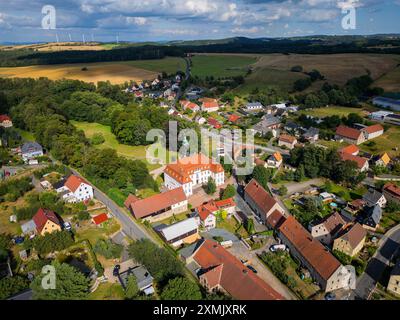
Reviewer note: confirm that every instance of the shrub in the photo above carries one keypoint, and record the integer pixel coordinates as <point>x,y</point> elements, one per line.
<point>108,249</point>
<point>98,139</point>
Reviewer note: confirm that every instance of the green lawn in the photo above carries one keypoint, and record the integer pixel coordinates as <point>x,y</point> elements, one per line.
<point>27,136</point>
<point>169,65</point>
<point>385,143</point>
<point>130,152</point>
<point>331,111</point>
<point>108,291</point>
<point>220,65</point>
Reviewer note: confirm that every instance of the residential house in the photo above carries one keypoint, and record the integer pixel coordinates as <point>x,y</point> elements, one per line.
<point>274,161</point>
<point>382,160</point>
<point>351,149</point>
<point>323,266</point>
<point>200,120</point>
<point>350,135</point>
<point>100,219</point>
<point>143,278</point>
<point>394,281</point>
<point>373,131</point>
<point>326,197</point>
<point>189,105</point>
<point>275,220</point>
<point>387,103</point>
<point>362,163</point>
<point>355,206</point>
<point>351,241</point>
<point>5,121</point>
<point>220,271</point>
<point>327,229</point>
<point>183,232</point>
<point>192,172</point>
<point>209,105</point>
<point>46,221</point>
<point>293,128</point>
<point>268,124</point>
<point>206,213</point>
<point>392,192</point>
<point>287,141</point>
<point>31,150</point>
<point>214,123</point>
<point>311,135</point>
<point>75,189</point>
<point>260,201</point>
<point>234,118</point>
<point>159,206</point>
<point>206,217</point>
<point>254,106</point>
<point>374,197</point>
<point>371,217</point>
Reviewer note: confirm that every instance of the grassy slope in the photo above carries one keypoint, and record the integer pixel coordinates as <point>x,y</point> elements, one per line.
<point>390,81</point>
<point>168,65</point>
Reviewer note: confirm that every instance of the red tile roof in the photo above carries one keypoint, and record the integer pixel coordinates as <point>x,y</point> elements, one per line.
<point>351,149</point>
<point>321,260</point>
<point>374,128</point>
<point>348,132</point>
<point>233,118</point>
<point>100,218</point>
<point>260,196</point>
<point>213,122</point>
<point>4,117</point>
<point>42,216</point>
<point>223,269</point>
<point>359,160</point>
<point>131,199</point>
<point>354,235</point>
<point>73,183</point>
<point>189,105</point>
<point>213,206</point>
<point>392,189</point>
<point>147,207</point>
<point>275,219</point>
<point>183,168</point>
<point>209,103</point>
<point>287,138</point>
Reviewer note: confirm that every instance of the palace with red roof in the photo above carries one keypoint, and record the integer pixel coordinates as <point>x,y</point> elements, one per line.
<point>192,172</point>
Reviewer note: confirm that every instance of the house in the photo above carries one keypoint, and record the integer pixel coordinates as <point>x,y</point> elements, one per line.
<point>350,135</point>
<point>371,217</point>
<point>5,121</point>
<point>143,278</point>
<point>31,150</point>
<point>206,213</point>
<point>382,160</point>
<point>267,124</point>
<point>326,197</point>
<point>374,197</point>
<point>323,266</point>
<point>159,206</point>
<point>200,120</point>
<point>100,219</point>
<point>209,105</point>
<point>28,228</point>
<point>275,220</point>
<point>183,232</point>
<point>214,123</point>
<point>192,172</point>
<point>387,103</point>
<point>293,128</point>
<point>355,206</point>
<point>287,141</point>
<point>326,230</point>
<point>189,105</point>
<point>274,161</point>
<point>233,118</point>
<point>252,106</point>
<point>392,193</point>
<point>362,163</point>
<point>260,201</point>
<point>373,131</point>
<point>351,149</point>
<point>46,221</point>
<point>394,281</point>
<point>219,271</point>
<point>351,241</point>
<point>75,189</point>
<point>311,135</point>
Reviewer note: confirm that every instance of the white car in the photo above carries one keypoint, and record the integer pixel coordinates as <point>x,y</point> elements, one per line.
<point>277,247</point>
<point>67,226</point>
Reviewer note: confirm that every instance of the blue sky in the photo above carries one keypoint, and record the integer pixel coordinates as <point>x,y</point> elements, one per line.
<point>158,20</point>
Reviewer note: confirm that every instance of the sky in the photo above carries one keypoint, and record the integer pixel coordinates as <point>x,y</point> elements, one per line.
<point>166,20</point>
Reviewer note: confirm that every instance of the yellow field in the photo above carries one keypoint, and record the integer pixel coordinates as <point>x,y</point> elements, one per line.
<point>390,81</point>
<point>61,46</point>
<point>116,73</point>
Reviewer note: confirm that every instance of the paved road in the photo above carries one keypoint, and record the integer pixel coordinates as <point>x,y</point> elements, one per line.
<point>129,226</point>
<point>380,261</point>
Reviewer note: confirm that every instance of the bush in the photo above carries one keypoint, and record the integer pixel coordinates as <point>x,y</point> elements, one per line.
<point>98,139</point>
<point>51,242</point>
<point>342,257</point>
<point>12,285</point>
<point>181,289</point>
<point>108,249</point>
<point>83,216</point>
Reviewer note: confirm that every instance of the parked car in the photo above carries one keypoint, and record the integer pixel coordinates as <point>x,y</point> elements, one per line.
<point>67,226</point>
<point>116,270</point>
<point>252,268</point>
<point>330,296</point>
<point>18,240</point>
<point>277,247</point>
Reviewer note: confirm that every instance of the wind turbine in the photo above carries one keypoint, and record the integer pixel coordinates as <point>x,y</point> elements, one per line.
<point>57,37</point>
<point>70,38</point>
<point>92,38</point>
<point>83,38</point>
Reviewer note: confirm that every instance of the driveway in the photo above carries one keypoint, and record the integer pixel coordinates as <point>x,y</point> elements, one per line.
<point>300,187</point>
<point>378,264</point>
<point>241,252</point>
<point>226,235</point>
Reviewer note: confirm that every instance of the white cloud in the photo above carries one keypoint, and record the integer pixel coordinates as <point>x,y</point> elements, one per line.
<point>139,21</point>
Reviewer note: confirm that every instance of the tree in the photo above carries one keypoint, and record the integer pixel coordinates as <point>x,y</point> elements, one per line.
<point>229,192</point>
<point>181,289</point>
<point>283,190</point>
<point>10,286</point>
<point>108,249</point>
<point>132,290</point>
<point>98,139</point>
<point>210,187</point>
<point>249,225</point>
<point>70,284</point>
<point>262,175</point>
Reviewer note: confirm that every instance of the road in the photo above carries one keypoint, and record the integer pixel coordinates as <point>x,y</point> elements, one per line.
<point>377,265</point>
<point>129,226</point>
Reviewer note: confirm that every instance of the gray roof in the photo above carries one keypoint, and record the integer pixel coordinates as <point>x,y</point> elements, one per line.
<point>311,132</point>
<point>254,104</point>
<point>28,227</point>
<point>31,147</point>
<point>374,215</point>
<point>396,269</point>
<point>387,100</point>
<point>266,122</point>
<point>178,229</point>
<point>372,197</point>
<point>143,277</point>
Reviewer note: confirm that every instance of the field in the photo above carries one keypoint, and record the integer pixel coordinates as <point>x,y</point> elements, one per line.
<point>331,111</point>
<point>385,143</point>
<point>111,141</point>
<point>62,46</point>
<point>169,65</point>
<point>390,81</point>
<point>116,73</point>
